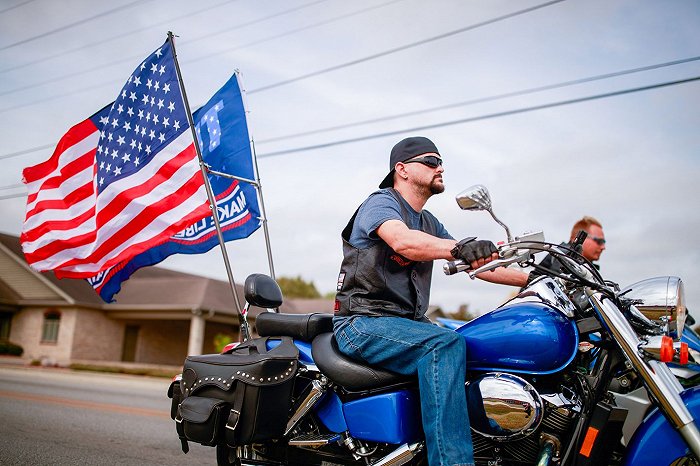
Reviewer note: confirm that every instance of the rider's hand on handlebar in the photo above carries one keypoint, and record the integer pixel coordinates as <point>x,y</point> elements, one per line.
<point>475,252</point>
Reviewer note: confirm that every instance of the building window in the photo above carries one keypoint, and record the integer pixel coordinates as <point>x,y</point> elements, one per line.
<point>49,333</point>
<point>5,322</point>
<point>131,338</point>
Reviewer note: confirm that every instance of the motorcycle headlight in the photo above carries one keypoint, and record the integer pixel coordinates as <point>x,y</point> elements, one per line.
<point>661,299</point>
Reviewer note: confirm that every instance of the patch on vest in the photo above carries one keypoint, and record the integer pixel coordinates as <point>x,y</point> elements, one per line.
<point>341,280</point>
<point>402,261</point>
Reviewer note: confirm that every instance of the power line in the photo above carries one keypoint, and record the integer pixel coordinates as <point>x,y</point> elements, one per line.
<point>71,25</point>
<point>491,98</point>
<point>326,70</point>
<point>255,21</point>
<point>15,6</point>
<point>12,186</point>
<point>405,47</point>
<point>479,118</point>
<point>12,196</point>
<point>138,56</point>
<point>94,43</point>
<point>294,31</point>
<point>54,97</point>
<point>442,107</point>
<point>463,120</point>
<point>26,151</point>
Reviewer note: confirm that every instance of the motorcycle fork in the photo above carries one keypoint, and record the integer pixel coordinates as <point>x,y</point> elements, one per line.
<point>597,384</point>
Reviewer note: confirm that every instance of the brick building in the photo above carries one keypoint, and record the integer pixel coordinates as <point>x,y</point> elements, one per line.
<point>160,317</point>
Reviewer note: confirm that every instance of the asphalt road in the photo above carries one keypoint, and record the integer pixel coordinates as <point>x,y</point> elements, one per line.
<point>59,417</point>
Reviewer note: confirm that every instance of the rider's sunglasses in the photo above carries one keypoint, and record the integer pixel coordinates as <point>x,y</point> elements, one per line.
<point>599,241</point>
<point>431,161</point>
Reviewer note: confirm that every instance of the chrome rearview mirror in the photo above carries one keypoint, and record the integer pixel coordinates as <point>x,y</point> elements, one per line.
<point>477,197</point>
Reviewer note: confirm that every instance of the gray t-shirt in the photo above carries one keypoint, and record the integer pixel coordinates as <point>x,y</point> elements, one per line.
<point>381,206</point>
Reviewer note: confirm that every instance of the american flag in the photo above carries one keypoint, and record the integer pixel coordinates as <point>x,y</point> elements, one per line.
<point>118,183</point>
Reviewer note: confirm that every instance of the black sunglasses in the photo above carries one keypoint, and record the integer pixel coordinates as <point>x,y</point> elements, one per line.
<point>431,161</point>
<point>600,241</point>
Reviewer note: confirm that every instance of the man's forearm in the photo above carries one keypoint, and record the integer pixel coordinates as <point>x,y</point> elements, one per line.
<point>505,276</point>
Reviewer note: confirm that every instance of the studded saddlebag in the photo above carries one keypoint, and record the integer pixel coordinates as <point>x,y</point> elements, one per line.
<point>239,397</point>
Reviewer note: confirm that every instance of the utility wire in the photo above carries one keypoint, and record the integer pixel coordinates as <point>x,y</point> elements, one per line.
<point>71,25</point>
<point>442,107</point>
<point>93,43</point>
<point>15,6</point>
<point>26,151</point>
<point>326,70</point>
<point>255,21</point>
<point>457,122</point>
<point>491,98</point>
<point>294,31</point>
<point>12,186</point>
<point>139,56</point>
<point>13,196</point>
<point>479,118</point>
<point>405,47</point>
<point>468,120</point>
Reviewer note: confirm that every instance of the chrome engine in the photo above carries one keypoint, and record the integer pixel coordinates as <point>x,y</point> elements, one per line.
<point>510,419</point>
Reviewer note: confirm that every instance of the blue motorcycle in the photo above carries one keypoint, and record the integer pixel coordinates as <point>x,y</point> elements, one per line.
<point>687,374</point>
<point>571,371</point>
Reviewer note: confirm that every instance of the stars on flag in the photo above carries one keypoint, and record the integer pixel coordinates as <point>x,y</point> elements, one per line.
<point>146,116</point>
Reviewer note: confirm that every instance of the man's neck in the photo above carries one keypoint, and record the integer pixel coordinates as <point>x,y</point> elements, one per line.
<point>415,199</point>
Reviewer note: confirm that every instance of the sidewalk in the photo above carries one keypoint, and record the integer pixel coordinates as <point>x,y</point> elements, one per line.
<point>13,361</point>
<point>115,367</point>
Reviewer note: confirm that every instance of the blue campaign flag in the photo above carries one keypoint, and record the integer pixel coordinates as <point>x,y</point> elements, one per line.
<point>222,133</point>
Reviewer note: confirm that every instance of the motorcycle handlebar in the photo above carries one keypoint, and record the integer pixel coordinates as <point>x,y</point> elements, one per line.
<point>509,253</point>
<point>453,267</point>
<point>456,266</point>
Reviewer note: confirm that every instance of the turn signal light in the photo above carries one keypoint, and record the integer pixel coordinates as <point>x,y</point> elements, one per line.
<point>684,353</point>
<point>666,353</point>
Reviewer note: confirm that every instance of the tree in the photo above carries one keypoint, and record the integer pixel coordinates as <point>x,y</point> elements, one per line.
<point>221,340</point>
<point>462,313</point>
<point>297,288</point>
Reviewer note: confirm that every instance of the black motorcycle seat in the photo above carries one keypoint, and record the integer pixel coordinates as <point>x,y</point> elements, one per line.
<point>348,373</point>
<point>303,327</point>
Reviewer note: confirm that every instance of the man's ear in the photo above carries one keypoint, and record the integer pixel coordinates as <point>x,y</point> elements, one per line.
<point>400,170</point>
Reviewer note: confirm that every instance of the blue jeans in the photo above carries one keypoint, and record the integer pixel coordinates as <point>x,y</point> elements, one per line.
<point>438,357</point>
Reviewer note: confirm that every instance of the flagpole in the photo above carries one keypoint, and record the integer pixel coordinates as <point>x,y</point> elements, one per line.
<point>242,320</point>
<point>257,184</point>
<point>264,214</point>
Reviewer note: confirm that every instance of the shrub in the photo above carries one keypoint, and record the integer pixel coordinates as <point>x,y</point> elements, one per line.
<point>7,347</point>
<point>221,340</point>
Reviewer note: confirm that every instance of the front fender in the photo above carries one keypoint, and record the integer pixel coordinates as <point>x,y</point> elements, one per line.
<point>656,442</point>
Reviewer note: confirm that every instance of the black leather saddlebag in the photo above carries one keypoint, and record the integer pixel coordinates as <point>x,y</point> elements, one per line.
<point>238,398</point>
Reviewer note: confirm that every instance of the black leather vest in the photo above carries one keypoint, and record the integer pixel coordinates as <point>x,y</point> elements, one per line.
<point>377,281</point>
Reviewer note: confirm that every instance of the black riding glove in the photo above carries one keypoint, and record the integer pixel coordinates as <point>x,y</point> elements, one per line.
<point>470,250</point>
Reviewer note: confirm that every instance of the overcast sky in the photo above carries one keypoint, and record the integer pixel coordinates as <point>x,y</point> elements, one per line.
<point>631,160</point>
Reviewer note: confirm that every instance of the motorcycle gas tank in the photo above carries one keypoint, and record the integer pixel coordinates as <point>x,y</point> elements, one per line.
<point>657,442</point>
<point>523,337</point>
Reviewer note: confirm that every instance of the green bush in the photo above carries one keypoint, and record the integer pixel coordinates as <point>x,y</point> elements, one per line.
<point>7,347</point>
<point>221,340</point>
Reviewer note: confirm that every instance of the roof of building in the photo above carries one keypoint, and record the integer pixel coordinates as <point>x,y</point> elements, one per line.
<point>148,287</point>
